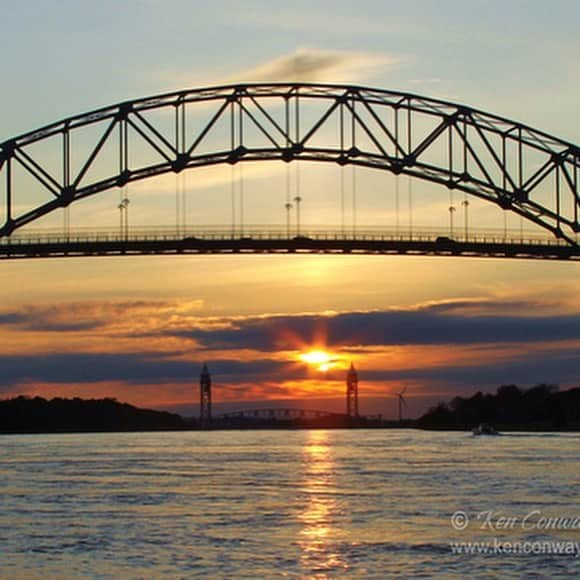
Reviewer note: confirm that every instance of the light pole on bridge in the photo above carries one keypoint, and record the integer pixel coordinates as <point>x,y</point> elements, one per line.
<point>124,217</point>
<point>465,204</point>
<point>452,210</point>
<point>297,200</point>
<point>288,207</point>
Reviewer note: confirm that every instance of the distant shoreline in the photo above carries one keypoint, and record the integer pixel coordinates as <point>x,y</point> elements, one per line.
<point>540,409</point>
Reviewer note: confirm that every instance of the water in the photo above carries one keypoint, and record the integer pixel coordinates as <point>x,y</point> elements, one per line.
<point>320,504</point>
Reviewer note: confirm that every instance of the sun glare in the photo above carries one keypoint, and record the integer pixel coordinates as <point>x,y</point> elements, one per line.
<point>319,359</point>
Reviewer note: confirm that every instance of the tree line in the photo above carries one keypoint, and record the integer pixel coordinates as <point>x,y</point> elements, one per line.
<point>37,415</point>
<point>543,407</point>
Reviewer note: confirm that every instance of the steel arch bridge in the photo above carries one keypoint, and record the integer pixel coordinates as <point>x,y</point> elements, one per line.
<point>506,163</point>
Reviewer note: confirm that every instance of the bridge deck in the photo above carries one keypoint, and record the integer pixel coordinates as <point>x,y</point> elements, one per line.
<point>271,242</point>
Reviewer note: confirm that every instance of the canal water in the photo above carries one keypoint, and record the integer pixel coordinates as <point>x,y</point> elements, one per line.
<point>308,503</point>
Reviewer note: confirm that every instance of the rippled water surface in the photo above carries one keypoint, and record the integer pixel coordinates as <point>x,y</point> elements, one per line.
<point>272,503</point>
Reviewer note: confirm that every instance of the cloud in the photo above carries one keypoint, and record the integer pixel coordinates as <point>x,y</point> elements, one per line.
<point>134,368</point>
<point>12,318</point>
<point>302,65</point>
<point>79,316</point>
<point>458,322</point>
<point>549,365</point>
<point>463,321</point>
<point>487,306</point>
<point>78,367</point>
<point>312,65</point>
<point>55,318</point>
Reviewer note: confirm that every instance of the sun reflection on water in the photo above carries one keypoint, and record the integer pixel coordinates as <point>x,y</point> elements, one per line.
<point>319,535</point>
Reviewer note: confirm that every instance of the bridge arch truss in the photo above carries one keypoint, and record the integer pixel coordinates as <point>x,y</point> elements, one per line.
<point>518,168</point>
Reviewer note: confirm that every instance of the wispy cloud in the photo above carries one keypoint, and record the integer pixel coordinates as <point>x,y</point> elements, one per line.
<point>313,65</point>
<point>305,64</point>
<point>79,316</point>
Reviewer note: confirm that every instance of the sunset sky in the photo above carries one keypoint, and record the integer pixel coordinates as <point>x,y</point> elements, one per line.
<point>139,329</point>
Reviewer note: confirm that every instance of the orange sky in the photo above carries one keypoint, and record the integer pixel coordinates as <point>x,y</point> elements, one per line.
<point>130,338</point>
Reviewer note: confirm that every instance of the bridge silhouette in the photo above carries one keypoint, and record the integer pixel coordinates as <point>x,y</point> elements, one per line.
<point>519,169</point>
<point>279,413</point>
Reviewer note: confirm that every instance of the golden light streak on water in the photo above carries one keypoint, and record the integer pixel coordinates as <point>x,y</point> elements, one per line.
<point>318,536</point>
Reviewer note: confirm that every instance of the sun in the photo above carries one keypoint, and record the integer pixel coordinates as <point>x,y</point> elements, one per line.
<point>321,360</point>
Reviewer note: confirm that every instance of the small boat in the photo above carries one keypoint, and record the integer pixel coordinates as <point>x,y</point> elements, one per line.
<point>485,429</point>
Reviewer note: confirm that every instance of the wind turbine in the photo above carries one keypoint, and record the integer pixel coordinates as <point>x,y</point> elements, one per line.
<point>402,403</point>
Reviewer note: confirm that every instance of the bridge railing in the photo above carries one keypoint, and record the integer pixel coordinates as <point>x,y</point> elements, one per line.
<point>276,233</point>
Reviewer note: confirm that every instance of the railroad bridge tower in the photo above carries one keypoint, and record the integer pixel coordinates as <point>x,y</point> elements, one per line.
<point>352,392</point>
<point>205,398</point>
